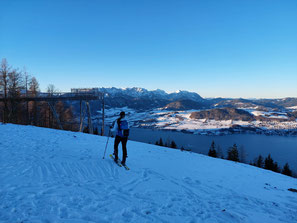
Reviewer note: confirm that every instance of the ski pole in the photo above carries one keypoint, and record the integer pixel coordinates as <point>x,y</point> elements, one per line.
<point>106,144</point>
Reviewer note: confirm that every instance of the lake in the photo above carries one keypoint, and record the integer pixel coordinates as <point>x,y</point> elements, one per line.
<point>282,148</point>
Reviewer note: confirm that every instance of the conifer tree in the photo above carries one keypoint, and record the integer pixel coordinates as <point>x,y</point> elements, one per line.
<point>286,170</point>
<point>173,145</point>
<point>259,162</point>
<point>276,168</point>
<point>212,150</point>
<point>233,153</point>
<point>269,164</point>
<point>161,142</point>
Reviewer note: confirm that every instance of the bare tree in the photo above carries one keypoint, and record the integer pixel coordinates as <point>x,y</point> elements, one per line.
<point>33,91</point>
<point>14,84</point>
<point>14,91</point>
<point>34,87</point>
<point>4,71</point>
<point>51,90</point>
<point>26,87</point>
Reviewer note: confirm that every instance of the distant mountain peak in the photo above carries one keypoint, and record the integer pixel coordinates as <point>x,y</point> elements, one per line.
<point>139,92</point>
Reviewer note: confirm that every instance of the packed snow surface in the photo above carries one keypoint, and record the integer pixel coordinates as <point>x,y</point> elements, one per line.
<point>58,176</point>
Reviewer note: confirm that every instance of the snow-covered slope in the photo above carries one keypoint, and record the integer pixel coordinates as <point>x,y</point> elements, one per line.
<point>57,176</point>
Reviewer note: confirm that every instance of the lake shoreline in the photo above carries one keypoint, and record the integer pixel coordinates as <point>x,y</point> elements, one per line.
<point>228,131</point>
<point>283,148</point>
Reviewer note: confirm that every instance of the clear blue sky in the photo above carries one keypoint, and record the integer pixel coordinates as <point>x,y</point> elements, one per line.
<point>227,48</point>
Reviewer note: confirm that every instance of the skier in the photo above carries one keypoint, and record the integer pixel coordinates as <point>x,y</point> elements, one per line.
<point>121,129</point>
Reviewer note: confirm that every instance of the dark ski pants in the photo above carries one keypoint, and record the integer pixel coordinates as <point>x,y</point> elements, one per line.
<point>117,141</point>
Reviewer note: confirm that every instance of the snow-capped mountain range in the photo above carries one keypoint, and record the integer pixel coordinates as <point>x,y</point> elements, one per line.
<point>154,94</point>
<point>141,98</point>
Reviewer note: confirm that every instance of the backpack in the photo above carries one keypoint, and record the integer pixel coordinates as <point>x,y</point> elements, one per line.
<point>123,128</point>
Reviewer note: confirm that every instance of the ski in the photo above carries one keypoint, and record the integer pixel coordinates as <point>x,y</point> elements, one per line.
<point>119,162</point>
<point>127,168</point>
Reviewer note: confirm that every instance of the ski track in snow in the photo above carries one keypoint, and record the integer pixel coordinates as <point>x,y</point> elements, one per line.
<point>57,176</point>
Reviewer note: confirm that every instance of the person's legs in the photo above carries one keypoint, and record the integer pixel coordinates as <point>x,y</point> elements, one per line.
<point>116,145</point>
<point>124,146</point>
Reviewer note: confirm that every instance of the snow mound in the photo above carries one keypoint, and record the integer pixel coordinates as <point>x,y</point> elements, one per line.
<point>58,176</point>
